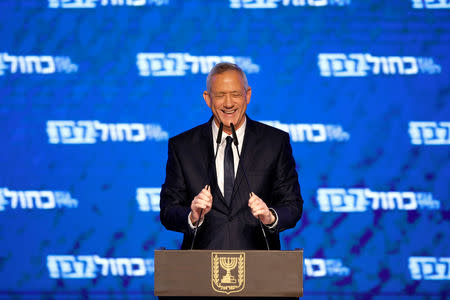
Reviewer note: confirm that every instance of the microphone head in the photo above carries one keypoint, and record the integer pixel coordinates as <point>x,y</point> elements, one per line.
<point>233,132</point>
<point>219,134</point>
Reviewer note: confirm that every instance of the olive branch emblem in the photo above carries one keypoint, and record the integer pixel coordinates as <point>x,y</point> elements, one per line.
<point>228,262</point>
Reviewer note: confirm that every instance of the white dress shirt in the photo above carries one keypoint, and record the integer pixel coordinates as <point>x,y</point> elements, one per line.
<point>240,132</point>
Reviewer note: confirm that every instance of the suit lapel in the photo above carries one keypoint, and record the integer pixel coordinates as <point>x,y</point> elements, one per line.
<point>207,157</point>
<point>218,199</point>
<point>247,157</point>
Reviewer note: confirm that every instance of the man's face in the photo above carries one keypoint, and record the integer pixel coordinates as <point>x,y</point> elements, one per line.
<point>228,99</point>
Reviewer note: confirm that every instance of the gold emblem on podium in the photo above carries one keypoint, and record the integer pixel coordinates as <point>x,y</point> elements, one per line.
<point>228,272</point>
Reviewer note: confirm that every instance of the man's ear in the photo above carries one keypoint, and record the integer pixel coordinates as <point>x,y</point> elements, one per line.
<point>248,94</point>
<point>207,98</point>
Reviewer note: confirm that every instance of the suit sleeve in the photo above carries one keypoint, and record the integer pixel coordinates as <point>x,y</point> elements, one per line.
<point>288,202</point>
<point>175,207</point>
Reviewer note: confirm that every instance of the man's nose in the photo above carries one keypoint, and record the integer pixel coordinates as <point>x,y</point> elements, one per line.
<point>228,102</point>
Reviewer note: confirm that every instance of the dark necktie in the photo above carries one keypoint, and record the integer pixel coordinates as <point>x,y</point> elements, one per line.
<point>228,171</point>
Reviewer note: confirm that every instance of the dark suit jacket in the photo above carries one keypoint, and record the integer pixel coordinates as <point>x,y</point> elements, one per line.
<point>270,168</point>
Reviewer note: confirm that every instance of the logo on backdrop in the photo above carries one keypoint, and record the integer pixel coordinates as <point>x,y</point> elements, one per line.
<point>97,3</point>
<point>181,64</point>
<point>36,64</point>
<point>429,268</point>
<point>431,4</point>
<point>429,133</point>
<point>33,199</point>
<point>314,133</point>
<point>148,199</point>
<point>319,267</point>
<point>92,266</point>
<point>364,64</point>
<point>360,200</point>
<point>89,132</point>
<point>251,4</point>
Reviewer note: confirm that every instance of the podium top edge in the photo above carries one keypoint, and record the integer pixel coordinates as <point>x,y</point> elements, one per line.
<point>234,250</point>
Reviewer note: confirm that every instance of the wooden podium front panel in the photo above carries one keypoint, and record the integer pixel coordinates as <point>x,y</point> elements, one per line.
<point>253,273</point>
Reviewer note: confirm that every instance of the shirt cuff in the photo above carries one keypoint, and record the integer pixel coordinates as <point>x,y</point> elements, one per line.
<point>276,219</point>
<point>200,224</point>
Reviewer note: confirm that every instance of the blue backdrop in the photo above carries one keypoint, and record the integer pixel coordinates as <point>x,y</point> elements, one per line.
<point>91,90</point>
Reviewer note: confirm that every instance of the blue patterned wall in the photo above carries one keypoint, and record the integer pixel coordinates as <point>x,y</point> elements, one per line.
<point>91,90</point>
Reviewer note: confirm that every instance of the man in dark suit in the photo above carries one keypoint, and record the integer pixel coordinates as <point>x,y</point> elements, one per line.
<point>215,195</point>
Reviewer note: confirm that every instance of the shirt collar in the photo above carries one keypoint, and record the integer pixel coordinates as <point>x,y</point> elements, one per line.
<point>239,132</point>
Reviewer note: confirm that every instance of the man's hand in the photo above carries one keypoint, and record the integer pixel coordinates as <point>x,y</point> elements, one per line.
<point>202,201</point>
<point>260,210</point>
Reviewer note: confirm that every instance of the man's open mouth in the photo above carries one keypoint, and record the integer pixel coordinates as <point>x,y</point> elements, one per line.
<point>229,112</point>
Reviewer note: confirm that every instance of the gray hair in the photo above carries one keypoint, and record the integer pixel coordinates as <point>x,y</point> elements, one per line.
<point>222,68</point>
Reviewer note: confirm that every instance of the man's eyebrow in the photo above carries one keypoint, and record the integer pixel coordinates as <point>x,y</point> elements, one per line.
<point>223,92</point>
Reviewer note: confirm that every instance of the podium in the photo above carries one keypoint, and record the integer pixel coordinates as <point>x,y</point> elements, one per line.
<point>234,273</point>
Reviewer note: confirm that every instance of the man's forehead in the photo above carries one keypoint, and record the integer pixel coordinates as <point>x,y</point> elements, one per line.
<point>228,77</point>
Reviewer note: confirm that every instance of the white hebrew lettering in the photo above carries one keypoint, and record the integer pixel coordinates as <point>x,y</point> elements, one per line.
<point>49,204</point>
<point>327,197</point>
<point>140,132</point>
<point>429,133</point>
<point>90,266</point>
<point>148,199</point>
<point>104,263</point>
<point>3,201</point>
<point>67,266</point>
<point>378,63</point>
<point>138,267</point>
<point>335,267</point>
<point>412,68</point>
<point>32,197</point>
<point>358,200</point>
<point>123,130</point>
<point>431,4</point>
<point>50,68</point>
<point>318,133</point>
<point>395,65</point>
<point>14,198</point>
<point>124,267</point>
<point>358,64</point>
<point>407,201</point>
<point>33,63</point>
<point>315,267</point>
<point>317,2</point>
<point>429,268</point>
<point>426,201</point>
<point>355,200</point>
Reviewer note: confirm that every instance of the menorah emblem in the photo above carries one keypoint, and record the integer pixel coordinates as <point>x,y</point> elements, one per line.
<point>228,271</point>
<point>228,263</point>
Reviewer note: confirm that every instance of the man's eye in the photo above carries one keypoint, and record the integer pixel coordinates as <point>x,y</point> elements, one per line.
<point>236,95</point>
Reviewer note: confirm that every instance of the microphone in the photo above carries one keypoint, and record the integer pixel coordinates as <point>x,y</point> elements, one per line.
<point>219,136</point>
<point>236,143</point>
<point>218,140</point>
